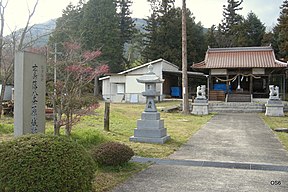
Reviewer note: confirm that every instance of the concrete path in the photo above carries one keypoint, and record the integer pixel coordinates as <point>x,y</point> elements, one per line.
<point>232,152</point>
<point>240,137</point>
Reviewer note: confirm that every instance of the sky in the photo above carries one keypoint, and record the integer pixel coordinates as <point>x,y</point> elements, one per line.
<point>208,12</point>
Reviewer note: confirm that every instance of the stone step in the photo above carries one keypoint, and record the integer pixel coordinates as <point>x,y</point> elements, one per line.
<point>239,98</point>
<point>236,107</point>
<point>239,107</point>
<point>237,110</point>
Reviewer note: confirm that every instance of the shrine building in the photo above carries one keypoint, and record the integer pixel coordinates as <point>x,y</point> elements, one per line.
<point>242,73</point>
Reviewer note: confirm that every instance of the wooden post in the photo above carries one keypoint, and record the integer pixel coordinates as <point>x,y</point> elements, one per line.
<point>106,116</point>
<point>208,87</point>
<point>210,82</point>
<point>251,85</point>
<point>227,85</point>
<point>185,98</point>
<point>284,87</point>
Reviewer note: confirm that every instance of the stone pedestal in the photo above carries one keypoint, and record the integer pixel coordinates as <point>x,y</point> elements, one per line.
<point>274,108</point>
<point>150,129</point>
<point>200,107</point>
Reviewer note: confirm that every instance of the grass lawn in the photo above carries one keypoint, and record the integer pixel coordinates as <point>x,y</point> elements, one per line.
<point>6,128</point>
<point>123,117</point>
<point>278,122</point>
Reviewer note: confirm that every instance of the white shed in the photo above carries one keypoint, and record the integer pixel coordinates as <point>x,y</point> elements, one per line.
<point>123,86</point>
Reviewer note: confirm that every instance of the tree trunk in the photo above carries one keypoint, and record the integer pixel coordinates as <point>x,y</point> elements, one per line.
<point>57,122</point>
<point>185,99</point>
<point>2,9</point>
<point>67,130</point>
<point>68,125</point>
<point>2,97</point>
<point>55,114</point>
<point>57,128</point>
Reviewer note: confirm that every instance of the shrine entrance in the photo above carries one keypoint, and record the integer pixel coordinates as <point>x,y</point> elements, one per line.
<point>240,84</point>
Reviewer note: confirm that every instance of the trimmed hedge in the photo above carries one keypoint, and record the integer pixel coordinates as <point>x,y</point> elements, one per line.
<point>112,154</point>
<point>45,163</point>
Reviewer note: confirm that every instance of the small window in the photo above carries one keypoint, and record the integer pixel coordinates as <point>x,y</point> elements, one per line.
<point>120,88</point>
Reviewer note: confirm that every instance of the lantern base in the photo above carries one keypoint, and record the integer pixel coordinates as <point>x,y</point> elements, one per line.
<point>150,129</point>
<point>161,140</point>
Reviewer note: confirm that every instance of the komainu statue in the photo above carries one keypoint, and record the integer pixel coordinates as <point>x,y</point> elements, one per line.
<point>274,92</point>
<point>201,92</point>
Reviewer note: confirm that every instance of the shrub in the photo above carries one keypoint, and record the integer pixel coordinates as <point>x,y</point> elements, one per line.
<point>45,163</point>
<point>112,154</point>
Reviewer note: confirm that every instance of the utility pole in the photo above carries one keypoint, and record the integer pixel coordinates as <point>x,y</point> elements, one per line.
<point>185,99</point>
<point>56,129</point>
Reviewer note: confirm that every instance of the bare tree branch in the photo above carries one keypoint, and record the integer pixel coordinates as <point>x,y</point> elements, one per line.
<point>26,28</point>
<point>10,44</point>
<point>2,23</point>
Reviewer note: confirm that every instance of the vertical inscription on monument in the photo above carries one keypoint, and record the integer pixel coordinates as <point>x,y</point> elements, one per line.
<point>34,114</point>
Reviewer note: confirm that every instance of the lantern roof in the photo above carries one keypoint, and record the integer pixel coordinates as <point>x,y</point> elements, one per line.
<point>150,77</point>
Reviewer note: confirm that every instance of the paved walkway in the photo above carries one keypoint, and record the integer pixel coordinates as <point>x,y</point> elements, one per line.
<point>232,152</point>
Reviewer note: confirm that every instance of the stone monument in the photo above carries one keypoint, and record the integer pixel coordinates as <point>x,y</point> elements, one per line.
<point>200,104</point>
<point>274,106</point>
<point>150,128</point>
<point>29,90</point>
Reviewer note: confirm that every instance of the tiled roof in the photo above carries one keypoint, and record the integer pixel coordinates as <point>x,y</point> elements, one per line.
<point>239,57</point>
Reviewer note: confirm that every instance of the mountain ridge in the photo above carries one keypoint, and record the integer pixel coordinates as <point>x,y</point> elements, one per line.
<point>41,31</point>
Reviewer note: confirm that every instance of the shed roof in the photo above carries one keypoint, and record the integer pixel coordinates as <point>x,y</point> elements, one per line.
<point>147,64</point>
<point>139,67</point>
<point>239,57</point>
<point>126,72</point>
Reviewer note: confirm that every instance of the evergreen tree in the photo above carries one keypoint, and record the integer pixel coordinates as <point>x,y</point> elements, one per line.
<point>228,29</point>
<point>151,50</point>
<point>100,28</point>
<point>272,38</point>
<point>166,6</point>
<point>280,31</point>
<point>196,45</point>
<point>163,39</point>
<point>210,37</point>
<point>255,29</point>
<point>67,26</point>
<point>151,38</point>
<point>268,39</point>
<point>127,26</point>
<point>252,31</point>
<point>134,50</point>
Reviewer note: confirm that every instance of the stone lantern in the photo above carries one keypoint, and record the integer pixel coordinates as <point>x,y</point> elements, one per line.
<point>150,128</point>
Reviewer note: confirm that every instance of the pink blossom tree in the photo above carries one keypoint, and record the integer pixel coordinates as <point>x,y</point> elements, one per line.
<point>74,75</point>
